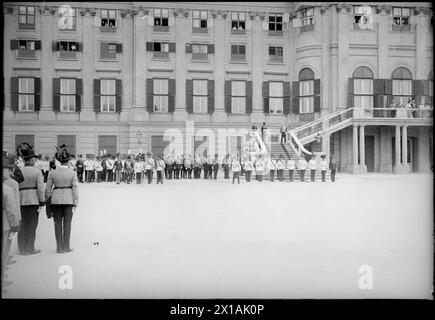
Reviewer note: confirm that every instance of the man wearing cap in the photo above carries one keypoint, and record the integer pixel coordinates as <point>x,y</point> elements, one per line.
<point>149,166</point>
<point>80,168</point>
<point>62,190</point>
<point>312,167</point>
<point>32,200</point>
<point>302,166</point>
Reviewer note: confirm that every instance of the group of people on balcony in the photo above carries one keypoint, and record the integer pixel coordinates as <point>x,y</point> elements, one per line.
<point>423,110</point>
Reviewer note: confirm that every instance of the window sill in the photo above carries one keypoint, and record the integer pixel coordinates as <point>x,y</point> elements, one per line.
<point>68,30</point>
<point>238,32</point>
<point>272,62</point>
<point>27,58</point>
<point>26,111</point>
<point>67,59</point>
<point>200,60</point>
<point>109,29</point>
<point>238,62</point>
<point>107,60</point>
<point>200,113</point>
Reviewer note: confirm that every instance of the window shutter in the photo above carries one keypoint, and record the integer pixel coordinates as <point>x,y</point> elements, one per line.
<point>210,48</point>
<point>14,93</point>
<point>426,84</point>
<point>97,91</point>
<point>79,92</point>
<point>189,96</point>
<point>172,47</point>
<point>350,93</point>
<point>188,48</point>
<point>149,92</point>
<point>248,97</point>
<point>118,98</point>
<point>38,45</point>
<point>150,46</point>
<point>210,100</point>
<point>14,44</point>
<point>316,95</point>
<point>56,94</point>
<point>265,90</point>
<point>118,47</point>
<point>388,86</point>
<point>171,98</point>
<point>286,100</point>
<point>79,46</point>
<point>37,94</point>
<point>227,91</point>
<point>378,101</point>
<point>417,88</point>
<point>56,45</point>
<point>295,90</point>
<point>378,86</point>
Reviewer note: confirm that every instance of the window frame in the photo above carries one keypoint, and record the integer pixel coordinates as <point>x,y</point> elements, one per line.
<point>397,21</point>
<point>108,19</point>
<point>278,98</point>
<point>200,19</point>
<point>275,23</point>
<point>107,95</point>
<point>160,95</point>
<point>200,96</point>
<point>238,56</point>
<point>160,17</point>
<point>73,17</point>
<point>26,95</point>
<point>26,25</point>
<point>241,97</point>
<point>238,21</point>
<point>395,80</point>
<point>361,95</point>
<point>305,17</point>
<point>68,95</point>
<point>276,57</point>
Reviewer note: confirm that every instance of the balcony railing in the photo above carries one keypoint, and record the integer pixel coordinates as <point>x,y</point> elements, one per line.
<point>394,113</point>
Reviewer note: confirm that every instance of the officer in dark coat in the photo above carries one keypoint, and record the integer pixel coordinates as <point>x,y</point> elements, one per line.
<point>31,201</point>
<point>63,194</point>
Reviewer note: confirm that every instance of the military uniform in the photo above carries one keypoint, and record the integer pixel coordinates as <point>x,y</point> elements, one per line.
<point>280,166</point>
<point>291,168</point>
<point>312,167</point>
<point>302,166</point>
<point>248,169</point>
<point>323,168</point>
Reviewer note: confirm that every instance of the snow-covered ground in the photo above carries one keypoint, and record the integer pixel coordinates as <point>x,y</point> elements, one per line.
<point>212,239</point>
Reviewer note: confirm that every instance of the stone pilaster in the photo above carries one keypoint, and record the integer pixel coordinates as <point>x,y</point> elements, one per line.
<point>383,30</point>
<point>127,64</point>
<point>88,69</point>
<point>220,32</point>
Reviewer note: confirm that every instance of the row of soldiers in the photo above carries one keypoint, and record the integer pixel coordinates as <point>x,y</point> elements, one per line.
<point>127,168</point>
<point>25,195</point>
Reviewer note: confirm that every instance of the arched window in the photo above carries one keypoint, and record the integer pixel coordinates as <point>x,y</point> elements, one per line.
<point>402,85</point>
<point>306,90</point>
<point>363,88</point>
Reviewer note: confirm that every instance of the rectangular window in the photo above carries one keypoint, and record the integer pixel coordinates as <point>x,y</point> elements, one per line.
<point>363,93</point>
<point>160,87</point>
<point>238,96</point>
<point>108,18</point>
<point>68,49</point>
<point>238,20</point>
<point>161,17</point>
<point>275,97</point>
<point>402,91</point>
<point>199,51</point>
<point>26,93</point>
<point>306,93</point>
<point>26,48</point>
<point>161,47</point>
<point>200,19</point>
<point>401,19</point>
<point>276,54</point>
<point>108,95</point>
<point>275,22</point>
<point>307,16</point>
<point>238,52</point>
<point>200,96</point>
<point>67,18</point>
<point>26,17</point>
<point>67,95</point>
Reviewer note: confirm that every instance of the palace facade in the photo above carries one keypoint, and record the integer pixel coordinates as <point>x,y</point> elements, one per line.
<point>116,76</point>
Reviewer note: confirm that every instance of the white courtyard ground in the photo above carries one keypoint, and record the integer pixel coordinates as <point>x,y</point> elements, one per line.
<point>211,239</point>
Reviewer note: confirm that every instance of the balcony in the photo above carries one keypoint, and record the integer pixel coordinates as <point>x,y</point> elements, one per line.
<point>308,27</point>
<point>24,53</point>
<point>199,56</point>
<point>199,30</point>
<point>238,57</point>
<point>161,28</point>
<point>276,33</point>
<point>26,26</point>
<point>275,58</point>
<point>160,54</point>
<point>238,32</point>
<point>67,54</point>
<point>108,29</point>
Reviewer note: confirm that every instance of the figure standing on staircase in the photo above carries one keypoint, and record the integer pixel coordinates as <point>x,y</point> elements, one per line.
<point>283,133</point>
<point>312,167</point>
<point>302,166</point>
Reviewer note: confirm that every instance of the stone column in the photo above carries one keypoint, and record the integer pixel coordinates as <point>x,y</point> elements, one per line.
<point>362,150</point>
<point>422,41</point>
<point>355,148</point>
<point>139,111</point>
<point>344,17</point>
<point>326,140</point>
<point>88,68</point>
<point>405,165</point>
<point>333,61</point>
<point>398,165</point>
<point>47,59</point>
<point>326,106</point>
<point>219,65</point>
<point>256,53</point>
<point>181,25</point>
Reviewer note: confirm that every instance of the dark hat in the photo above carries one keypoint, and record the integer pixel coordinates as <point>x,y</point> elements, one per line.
<point>62,155</point>
<point>28,153</point>
<point>6,163</point>
<point>63,146</point>
<point>323,156</point>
